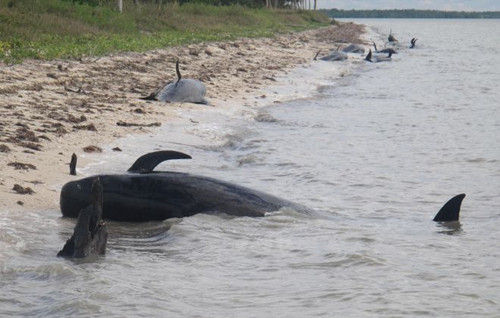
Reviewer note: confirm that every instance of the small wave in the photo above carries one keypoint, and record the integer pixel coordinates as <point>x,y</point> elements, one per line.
<point>477,160</point>
<point>247,160</point>
<point>346,261</point>
<point>41,272</point>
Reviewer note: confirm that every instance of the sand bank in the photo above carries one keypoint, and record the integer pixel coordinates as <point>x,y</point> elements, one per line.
<point>50,110</point>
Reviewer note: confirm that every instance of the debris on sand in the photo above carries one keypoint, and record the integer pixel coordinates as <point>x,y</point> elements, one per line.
<point>22,190</point>
<point>125,124</point>
<point>91,148</point>
<point>21,166</point>
<point>4,148</point>
<point>89,127</point>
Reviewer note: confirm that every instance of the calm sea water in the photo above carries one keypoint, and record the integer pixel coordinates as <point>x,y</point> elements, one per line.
<point>378,151</point>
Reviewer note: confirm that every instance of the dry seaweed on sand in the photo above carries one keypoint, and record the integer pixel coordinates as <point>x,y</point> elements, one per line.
<point>22,190</point>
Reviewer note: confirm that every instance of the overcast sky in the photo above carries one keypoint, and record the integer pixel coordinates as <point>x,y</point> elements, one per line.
<point>450,5</point>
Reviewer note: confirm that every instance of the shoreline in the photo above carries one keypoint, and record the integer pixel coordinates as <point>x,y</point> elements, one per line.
<point>53,109</point>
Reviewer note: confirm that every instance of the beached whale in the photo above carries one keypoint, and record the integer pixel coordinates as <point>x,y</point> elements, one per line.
<point>354,48</point>
<point>391,37</point>
<point>334,56</point>
<point>386,50</point>
<point>378,58</point>
<point>186,90</point>
<point>146,195</point>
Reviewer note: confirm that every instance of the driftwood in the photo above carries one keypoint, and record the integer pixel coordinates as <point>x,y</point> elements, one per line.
<point>90,235</point>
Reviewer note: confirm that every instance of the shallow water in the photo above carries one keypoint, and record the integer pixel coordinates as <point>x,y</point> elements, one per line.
<point>378,152</point>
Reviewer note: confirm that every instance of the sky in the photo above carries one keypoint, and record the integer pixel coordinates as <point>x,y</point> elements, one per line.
<point>449,5</point>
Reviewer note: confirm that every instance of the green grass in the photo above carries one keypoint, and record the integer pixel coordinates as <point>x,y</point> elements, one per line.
<point>49,29</point>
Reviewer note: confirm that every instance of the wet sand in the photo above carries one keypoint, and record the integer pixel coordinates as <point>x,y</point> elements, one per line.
<point>51,109</point>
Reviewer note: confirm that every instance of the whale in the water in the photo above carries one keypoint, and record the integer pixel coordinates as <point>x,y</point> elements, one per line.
<point>451,210</point>
<point>186,90</point>
<point>146,195</point>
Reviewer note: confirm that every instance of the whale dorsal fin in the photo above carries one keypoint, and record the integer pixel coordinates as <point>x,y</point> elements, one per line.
<point>148,162</point>
<point>179,76</point>
<point>451,210</point>
<point>369,56</point>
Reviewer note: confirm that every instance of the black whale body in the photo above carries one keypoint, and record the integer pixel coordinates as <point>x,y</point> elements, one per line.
<point>151,196</point>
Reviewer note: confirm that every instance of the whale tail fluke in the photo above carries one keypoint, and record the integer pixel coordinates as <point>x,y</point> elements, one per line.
<point>148,162</point>
<point>451,210</point>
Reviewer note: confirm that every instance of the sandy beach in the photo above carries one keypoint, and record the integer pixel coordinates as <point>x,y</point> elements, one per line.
<point>51,109</point>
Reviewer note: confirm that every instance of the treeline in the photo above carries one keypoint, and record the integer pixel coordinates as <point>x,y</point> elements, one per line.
<point>412,13</point>
<point>284,4</point>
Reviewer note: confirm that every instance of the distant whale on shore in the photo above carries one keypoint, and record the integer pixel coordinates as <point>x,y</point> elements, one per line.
<point>146,195</point>
<point>386,50</point>
<point>332,56</point>
<point>412,42</point>
<point>375,59</point>
<point>391,37</point>
<point>186,90</point>
<point>354,48</point>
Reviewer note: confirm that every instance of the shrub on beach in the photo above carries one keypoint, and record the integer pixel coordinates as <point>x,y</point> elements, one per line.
<point>48,29</point>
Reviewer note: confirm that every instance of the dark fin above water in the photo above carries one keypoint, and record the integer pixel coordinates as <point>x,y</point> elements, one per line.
<point>90,235</point>
<point>391,37</point>
<point>72,165</point>
<point>451,210</point>
<point>149,161</point>
<point>369,56</point>
<point>412,43</point>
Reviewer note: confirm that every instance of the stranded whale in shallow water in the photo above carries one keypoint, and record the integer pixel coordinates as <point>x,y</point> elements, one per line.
<point>146,195</point>
<point>386,50</point>
<point>186,90</point>
<point>377,58</point>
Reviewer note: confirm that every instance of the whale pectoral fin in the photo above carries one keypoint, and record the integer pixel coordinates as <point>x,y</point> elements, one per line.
<point>451,210</point>
<point>149,161</point>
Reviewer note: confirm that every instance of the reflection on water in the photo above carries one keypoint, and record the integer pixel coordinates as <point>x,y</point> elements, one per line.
<point>377,152</point>
<point>450,228</point>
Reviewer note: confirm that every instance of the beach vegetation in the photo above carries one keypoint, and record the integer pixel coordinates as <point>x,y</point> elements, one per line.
<point>51,29</point>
